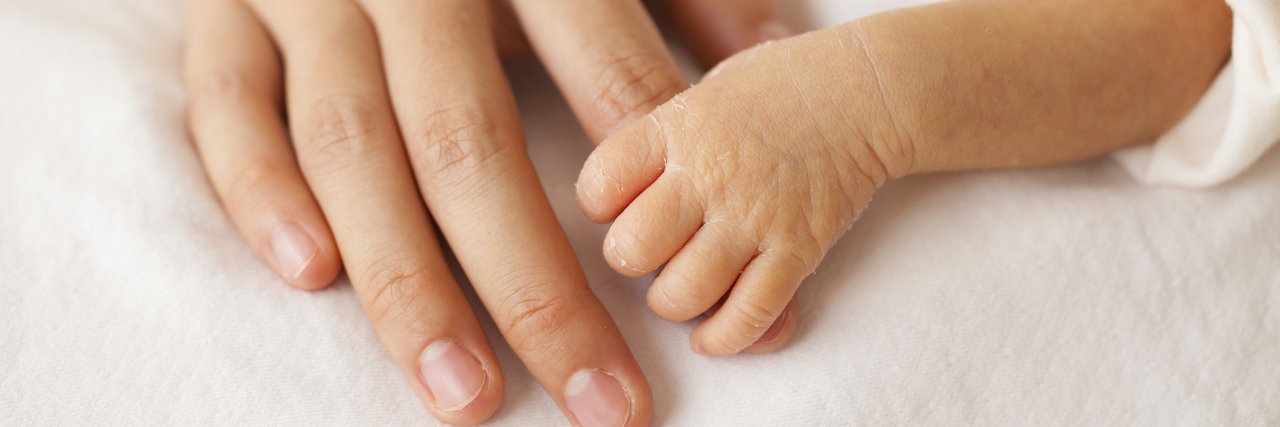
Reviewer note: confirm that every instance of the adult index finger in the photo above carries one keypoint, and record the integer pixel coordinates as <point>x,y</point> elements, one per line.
<point>606,56</point>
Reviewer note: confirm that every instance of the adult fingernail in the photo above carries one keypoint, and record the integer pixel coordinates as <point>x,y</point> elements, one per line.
<point>773,30</point>
<point>453,375</point>
<point>596,399</point>
<point>775,330</point>
<point>294,249</point>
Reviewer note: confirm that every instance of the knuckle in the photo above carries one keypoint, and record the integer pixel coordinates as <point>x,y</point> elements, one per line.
<point>719,343</point>
<point>340,128</point>
<point>796,261</point>
<point>224,88</point>
<point>533,311</point>
<point>250,185</point>
<point>683,286</point>
<point>393,287</point>
<point>749,317</point>
<point>674,297</point>
<point>631,82</point>
<point>455,142</point>
<point>217,85</point>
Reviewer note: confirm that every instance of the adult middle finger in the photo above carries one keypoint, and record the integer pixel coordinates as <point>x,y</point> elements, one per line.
<point>460,124</point>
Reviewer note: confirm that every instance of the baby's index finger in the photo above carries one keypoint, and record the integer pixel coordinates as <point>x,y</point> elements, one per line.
<point>620,169</point>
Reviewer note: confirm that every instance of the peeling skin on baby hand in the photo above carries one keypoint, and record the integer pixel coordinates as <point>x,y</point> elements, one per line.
<point>733,190</point>
<point>741,184</point>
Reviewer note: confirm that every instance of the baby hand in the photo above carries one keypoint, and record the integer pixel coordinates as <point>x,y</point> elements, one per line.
<point>742,183</point>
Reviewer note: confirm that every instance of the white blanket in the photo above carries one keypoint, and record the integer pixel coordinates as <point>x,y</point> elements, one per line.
<point>1059,296</point>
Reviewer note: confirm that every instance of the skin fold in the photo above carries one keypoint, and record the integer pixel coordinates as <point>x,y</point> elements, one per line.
<point>740,185</point>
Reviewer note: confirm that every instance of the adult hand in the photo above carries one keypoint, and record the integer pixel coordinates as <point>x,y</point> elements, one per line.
<point>393,103</point>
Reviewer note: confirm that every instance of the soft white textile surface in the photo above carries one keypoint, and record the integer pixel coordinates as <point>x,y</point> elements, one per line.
<point>1057,296</point>
<point>1235,122</point>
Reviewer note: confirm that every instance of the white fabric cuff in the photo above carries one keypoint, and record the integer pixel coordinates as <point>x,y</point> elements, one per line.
<point>1237,120</point>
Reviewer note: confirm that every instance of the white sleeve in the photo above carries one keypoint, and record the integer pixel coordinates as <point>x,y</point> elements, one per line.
<point>1235,122</point>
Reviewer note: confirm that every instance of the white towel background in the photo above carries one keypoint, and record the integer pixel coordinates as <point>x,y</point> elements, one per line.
<point>1058,296</point>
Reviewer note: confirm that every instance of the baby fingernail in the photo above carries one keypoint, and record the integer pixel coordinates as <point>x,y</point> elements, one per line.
<point>773,30</point>
<point>453,375</point>
<point>699,349</point>
<point>294,249</point>
<point>596,399</point>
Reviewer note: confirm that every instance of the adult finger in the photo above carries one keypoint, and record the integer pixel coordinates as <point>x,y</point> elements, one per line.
<point>350,150</point>
<point>233,77</point>
<point>463,134</point>
<point>605,55</point>
<point>716,29</point>
<point>507,34</point>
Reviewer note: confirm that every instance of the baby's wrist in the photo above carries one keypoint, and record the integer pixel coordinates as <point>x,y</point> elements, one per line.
<point>978,85</point>
<point>881,140</point>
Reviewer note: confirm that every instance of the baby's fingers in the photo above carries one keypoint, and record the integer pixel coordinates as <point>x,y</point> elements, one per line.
<point>620,169</point>
<point>653,228</point>
<point>701,273</point>
<point>778,334</point>
<point>756,302</point>
<point>698,280</point>
<point>233,77</point>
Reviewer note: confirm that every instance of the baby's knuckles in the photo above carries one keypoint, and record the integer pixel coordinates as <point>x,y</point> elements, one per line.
<point>773,145</point>
<point>773,156</point>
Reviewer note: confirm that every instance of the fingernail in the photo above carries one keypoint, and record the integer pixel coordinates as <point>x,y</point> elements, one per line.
<point>775,330</point>
<point>453,375</point>
<point>294,249</point>
<point>596,399</point>
<point>773,30</point>
<point>699,349</point>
